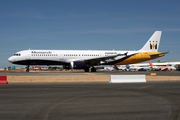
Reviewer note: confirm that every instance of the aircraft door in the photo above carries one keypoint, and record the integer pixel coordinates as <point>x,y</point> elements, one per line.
<point>141,56</point>
<point>61,56</point>
<point>27,57</point>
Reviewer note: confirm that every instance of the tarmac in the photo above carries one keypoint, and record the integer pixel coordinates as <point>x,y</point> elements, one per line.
<point>69,73</point>
<point>94,99</point>
<point>97,101</point>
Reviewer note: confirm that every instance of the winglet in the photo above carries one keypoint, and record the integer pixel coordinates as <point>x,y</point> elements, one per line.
<point>123,54</point>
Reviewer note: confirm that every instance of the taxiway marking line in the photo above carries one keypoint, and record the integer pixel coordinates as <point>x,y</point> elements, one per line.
<point>146,86</point>
<point>89,74</point>
<point>153,73</point>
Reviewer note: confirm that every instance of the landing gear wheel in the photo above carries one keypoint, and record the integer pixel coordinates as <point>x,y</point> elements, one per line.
<point>27,70</point>
<point>93,69</point>
<point>86,69</point>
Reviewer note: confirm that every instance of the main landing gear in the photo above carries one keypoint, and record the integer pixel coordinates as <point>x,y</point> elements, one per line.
<point>86,69</point>
<point>93,69</point>
<point>27,69</point>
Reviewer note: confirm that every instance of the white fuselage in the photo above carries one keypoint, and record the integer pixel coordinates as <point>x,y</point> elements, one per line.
<point>55,57</point>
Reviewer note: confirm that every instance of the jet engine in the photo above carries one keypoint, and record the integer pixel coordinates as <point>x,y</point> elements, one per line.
<point>76,65</point>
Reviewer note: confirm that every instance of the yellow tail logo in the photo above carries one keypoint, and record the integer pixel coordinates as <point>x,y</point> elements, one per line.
<point>153,46</point>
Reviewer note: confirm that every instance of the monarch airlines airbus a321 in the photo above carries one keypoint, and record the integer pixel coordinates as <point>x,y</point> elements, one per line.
<point>87,59</point>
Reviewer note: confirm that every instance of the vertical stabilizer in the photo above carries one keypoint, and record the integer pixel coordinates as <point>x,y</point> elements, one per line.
<point>153,43</point>
<point>150,63</point>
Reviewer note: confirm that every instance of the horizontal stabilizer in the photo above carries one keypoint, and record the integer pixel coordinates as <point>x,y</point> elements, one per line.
<point>154,55</point>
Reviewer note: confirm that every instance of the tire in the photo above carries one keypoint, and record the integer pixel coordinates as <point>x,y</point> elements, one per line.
<point>27,70</point>
<point>93,69</point>
<point>86,69</point>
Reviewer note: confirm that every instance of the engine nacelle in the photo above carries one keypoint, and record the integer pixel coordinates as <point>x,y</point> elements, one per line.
<point>76,65</point>
<point>80,65</point>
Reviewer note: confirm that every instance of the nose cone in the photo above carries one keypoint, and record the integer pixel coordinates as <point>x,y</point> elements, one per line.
<point>10,59</point>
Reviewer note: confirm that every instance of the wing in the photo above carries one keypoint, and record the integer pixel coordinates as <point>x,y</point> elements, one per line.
<point>96,61</point>
<point>154,55</point>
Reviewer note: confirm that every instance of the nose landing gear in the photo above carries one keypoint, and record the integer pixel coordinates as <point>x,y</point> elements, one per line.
<point>27,69</point>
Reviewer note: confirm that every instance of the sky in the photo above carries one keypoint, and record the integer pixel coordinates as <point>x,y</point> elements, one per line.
<point>88,25</point>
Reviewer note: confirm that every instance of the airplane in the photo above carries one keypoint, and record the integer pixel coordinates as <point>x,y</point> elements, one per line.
<point>109,68</point>
<point>87,59</point>
<point>123,68</point>
<point>35,68</point>
<point>163,68</point>
<point>130,68</point>
<point>138,68</point>
<point>39,68</point>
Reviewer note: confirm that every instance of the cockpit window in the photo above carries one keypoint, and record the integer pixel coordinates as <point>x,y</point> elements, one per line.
<point>17,54</point>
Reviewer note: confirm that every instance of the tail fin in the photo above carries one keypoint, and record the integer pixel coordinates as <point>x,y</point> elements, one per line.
<point>33,67</point>
<point>40,67</point>
<point>150,63</point>
<point>153,43</point>
<point>115,67</point>
<point>128,66</point>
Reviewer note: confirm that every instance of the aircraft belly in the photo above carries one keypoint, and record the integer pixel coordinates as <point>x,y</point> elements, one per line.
<point>39,62</point>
